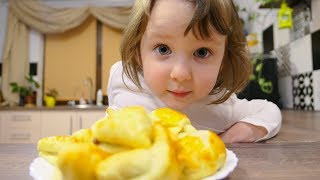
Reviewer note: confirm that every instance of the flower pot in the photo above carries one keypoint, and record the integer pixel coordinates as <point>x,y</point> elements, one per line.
<point>50,101</point>
<point>21,100</point>
<point>28,101</point>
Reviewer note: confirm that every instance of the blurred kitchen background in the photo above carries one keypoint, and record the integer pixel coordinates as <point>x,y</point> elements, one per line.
<point>56,56</point>
<point>65,48</point>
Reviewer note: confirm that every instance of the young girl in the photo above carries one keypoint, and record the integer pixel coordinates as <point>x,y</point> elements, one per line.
<point>191,55</point>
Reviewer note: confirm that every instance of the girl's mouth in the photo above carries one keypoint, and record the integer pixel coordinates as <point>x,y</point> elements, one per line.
<point>180,94</point>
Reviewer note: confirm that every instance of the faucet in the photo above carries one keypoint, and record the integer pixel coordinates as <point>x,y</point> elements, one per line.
<point>88,82</point>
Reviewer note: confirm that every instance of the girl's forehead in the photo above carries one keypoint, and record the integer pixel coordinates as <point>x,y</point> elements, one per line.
<point>168,13</point>
<point>161,32</point>
<point>173,7</point>
<point>171,18</point>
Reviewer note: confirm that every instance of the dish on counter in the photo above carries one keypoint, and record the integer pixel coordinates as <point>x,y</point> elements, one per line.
<point>131,143</point>
<point>40,169</point>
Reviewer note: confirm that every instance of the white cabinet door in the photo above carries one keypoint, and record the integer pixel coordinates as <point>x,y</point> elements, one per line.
<point>1,128</point>
<point>21,126</point>
<point>57,123</point>
<point>87,118</point>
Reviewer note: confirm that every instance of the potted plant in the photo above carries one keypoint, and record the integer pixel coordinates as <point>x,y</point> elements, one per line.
<point>50,97</point>
<point>27,94</point>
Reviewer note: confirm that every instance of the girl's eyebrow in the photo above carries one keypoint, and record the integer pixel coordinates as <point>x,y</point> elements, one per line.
<point>218,40</point>
<point>157,34</point>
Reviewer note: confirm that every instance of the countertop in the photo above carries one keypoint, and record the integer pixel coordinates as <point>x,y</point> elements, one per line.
<point>292,154</point>
<point>60,108</point>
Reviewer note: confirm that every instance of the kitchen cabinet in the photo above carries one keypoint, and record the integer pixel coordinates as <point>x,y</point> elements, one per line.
<point>20,126</point>
<point>66,122</point>
<point>28,126</point>
<point>86,119</point>
<point>1,129</point>
<point>57,123</point>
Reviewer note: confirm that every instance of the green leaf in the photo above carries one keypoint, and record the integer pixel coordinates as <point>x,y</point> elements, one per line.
<point>252,77</point>
<point>267,87</point>
<point>259,67</point>
<point>261,81</point>
<point>13,84</point>
<point>14,87</point>
<point>24,90</point>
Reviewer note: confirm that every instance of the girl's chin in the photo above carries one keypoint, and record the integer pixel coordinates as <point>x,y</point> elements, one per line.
<point>177,105</point>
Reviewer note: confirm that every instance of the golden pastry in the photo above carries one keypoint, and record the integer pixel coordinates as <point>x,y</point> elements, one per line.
<point>49,147</point>
<point>156,162</point>
<point>131,144</point>
<point>111,148</point>
<point>200,154</point>
<point>79,161</point>
<point>83,135</point>
<point>129,127</point>
<point>174,121</point>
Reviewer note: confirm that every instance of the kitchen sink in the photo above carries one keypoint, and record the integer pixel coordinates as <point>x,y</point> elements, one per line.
<point>83,106</point>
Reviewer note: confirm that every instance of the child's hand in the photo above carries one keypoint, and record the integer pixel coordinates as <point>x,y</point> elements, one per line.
<point>243,132</point>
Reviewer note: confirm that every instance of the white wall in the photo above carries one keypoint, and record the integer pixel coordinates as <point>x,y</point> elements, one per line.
<point>266,18</point>
<point>35,45</point>
<point>3,25</point>
<point>36,55</point>
<point>315,10</point>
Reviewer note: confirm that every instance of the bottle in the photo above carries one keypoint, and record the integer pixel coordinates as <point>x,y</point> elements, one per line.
<point>99,97</point>
<point>82,100</point>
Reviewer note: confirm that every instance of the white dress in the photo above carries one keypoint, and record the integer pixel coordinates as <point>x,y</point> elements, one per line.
<point>203,115</point>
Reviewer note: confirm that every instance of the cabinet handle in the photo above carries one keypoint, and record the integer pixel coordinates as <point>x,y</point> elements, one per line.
<point>80,122</point>
<point>71,126</point>
<point>20,136</point>
<point>21,118</point>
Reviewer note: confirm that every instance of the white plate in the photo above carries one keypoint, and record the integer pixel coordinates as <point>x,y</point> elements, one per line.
<point>231,163</point>
<point>40,169</point>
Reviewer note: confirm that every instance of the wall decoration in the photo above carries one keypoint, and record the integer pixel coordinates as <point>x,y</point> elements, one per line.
<point>284,64</point>
<point>301,22</point>
<point>302,90</point>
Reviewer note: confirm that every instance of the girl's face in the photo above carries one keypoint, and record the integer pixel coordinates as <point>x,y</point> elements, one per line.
<point>179,69</point>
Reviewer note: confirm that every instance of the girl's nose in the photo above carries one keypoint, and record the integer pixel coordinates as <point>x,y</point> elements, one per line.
<point>181,71</point>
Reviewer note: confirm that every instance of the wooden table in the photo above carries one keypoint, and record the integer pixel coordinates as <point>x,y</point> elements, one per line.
<point>277,161</point>
<point>293,154</point>
<point>15,160</point>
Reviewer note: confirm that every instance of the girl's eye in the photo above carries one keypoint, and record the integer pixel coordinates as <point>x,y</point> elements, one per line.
<point>202,53</point>
<point>163,49</point>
